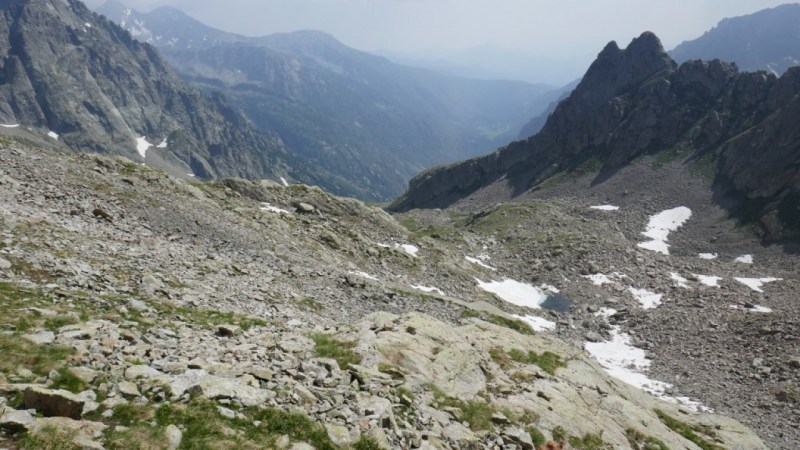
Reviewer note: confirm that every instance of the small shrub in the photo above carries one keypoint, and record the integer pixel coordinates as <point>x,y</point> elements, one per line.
<point>536,436</point>
<point>514,324</point>
<point>559,434</point>
<point>367,443</point>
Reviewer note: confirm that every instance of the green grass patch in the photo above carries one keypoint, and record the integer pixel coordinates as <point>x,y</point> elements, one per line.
<point>342,351</point>
<point>69,382</point>
<point>514,324</point>
<point>40,359</point>
<point>589,441</point>
<point>640,441</point>
<point>367,443</point>
<point>536,436</point>
<point>478,414</point>
<point>559,434</point>
<point>693,433</point>
<point>54,323</point>
<point>212,318</point>
<point>547,361</point>
<point>49,438</point>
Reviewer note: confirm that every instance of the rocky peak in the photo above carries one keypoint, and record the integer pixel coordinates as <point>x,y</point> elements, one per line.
<point>616,70</point>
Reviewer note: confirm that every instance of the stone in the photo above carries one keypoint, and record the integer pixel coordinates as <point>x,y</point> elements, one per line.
<point>518,436</point>
<point>4,264</point>
<point>13,421</point>
<point>54,403</point>
<point>141,371</point>
<point>215,387</point>
<point>593,336</point>
<point>459,435</point>
<point>84,374</point>
<point>228,330</point>
<point>295,343</point>
<point>340,435</point>
<point>41,338</point>
<point>262,373</point>
<point>305,208</point>
<point>128,389</point>
<point>174,437</point>
<point>305,396</point>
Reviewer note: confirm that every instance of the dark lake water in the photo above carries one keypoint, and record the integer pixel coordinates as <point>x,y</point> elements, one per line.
<point>557,303</point>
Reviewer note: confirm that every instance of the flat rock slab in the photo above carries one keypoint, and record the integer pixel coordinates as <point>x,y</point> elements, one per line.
<point>58,403</point>
<point>214,387</point>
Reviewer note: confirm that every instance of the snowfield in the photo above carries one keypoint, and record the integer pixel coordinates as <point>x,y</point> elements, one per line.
<point>661,225</point>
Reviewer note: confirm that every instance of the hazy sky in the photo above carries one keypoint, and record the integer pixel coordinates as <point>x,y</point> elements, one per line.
<point>549,29</point>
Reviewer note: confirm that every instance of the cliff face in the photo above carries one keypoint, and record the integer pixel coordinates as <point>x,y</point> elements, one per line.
<point>70,71</point>
<point>638,101</point>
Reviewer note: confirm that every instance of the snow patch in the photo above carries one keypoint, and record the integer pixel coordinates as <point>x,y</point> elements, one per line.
<point>708,280</point>
<point>627,363</point>
<point>600,279</point>
<point>708,256</point>
<point>676,277</point>
<point>514,292</point>
<point>648,300</point>
<point>537,323</point>
<point>605,312</point>
<point>142,145</point>
<point>754,308</point>
<point>15,125</point>
<point>479,262</point>
<point>269,208</point>
<point>53,135</point>
<point>661,225</point>
<point>745,259</point>
<point>756,283</point>
<point>364,275</point>
<point>605,208</point>
<point>550,288</point>
<point>163,144</point>
<point>427,289</point>
<point>285,183</point>
<point>407,248</point>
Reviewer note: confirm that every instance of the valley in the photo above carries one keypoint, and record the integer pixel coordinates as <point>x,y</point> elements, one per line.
<point>283,242</point>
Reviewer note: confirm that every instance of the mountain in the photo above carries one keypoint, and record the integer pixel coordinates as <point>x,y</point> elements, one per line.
<point>157,313</point>
<point>371,123</point>
<point>738,128</point>
<point>767,40</point>
<point>72,73</point>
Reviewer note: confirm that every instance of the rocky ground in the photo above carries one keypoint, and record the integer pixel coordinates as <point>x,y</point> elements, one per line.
<point>144,310</point>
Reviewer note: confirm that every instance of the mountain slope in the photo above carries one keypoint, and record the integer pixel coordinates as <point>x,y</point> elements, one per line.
<point>371,123</point>
<point>766,40</point>
<point>637,101</point>
<point>78,75</point>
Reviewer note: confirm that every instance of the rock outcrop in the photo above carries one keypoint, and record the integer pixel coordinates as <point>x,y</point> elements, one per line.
<point>637,101</point>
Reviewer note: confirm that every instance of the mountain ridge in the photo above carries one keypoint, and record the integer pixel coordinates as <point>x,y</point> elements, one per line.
<point>108,91</point>
<point>765,40</point>
<point>626,107</point>
<point>370,123</point>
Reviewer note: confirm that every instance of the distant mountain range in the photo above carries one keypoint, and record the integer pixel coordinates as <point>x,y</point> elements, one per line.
<point>371,124</point>
<point>71,73</point>
<point>741,128</point>
<point>767,40</point>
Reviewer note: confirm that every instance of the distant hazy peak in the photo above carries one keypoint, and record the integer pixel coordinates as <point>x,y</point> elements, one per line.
<point>765,40</point>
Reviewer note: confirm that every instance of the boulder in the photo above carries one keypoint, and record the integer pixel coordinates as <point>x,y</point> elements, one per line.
<point>54,403</point>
